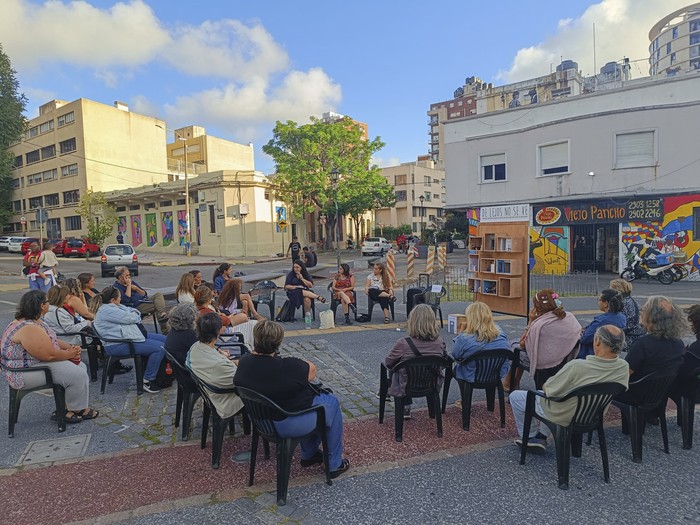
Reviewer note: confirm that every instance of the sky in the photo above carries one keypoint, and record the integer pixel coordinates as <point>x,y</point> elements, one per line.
<point>237,67</point>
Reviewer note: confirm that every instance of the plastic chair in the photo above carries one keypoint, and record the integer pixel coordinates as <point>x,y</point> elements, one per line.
<point>219,423</point>
<point>155,317</point>
<point>91,348</point>
<point>370,307</point>
<point>650,393</point>
<point>263,412</point>
<point>686,401</point>
<point>187,394</point>
<point>108,370</point>
<point>487,376</point>
<point>335,302</point>
<point>591,402</point>
<point>16,395</point>
<point>432,299</point>
<point>266,295</point>
<point>422,374</point>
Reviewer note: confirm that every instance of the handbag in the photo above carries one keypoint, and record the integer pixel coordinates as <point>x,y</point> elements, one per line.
<point>286,314</point>
<point>318,388</point>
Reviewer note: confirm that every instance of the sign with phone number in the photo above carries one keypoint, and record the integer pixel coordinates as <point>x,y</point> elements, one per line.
<point>596,212</point>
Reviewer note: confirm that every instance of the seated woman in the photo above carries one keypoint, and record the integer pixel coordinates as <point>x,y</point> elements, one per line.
<point>423,339</point>
<point>299,286</point>
<point>184,292</point>
<point>480,334</point>
<point>286,382</point>
<point>182,333</point>
<point>87,285</point>
<point>75,302</point>
<point>28,341</point>
<point>610,303</point>
<point>222,274</point>
<point>630,309</point>
<point>60,320</point>
<point>118,322</point>
<point>214,366</point>
<point>343,290</point>
<point>198,281</point>
<point>549,341</point>
<point>378,288</point>
<point>203,302</point>
<point>232,300</point>
<point>691,360</point>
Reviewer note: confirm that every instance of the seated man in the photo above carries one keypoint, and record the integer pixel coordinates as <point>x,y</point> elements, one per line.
<point>136,297</point>
<point>601,367</point>
<point>286,382</point>
<point>309,257</point>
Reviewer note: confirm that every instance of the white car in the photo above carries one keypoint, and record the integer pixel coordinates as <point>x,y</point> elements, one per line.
<point>115,255</point>
<point>4,243</point>
<point>15,244</point>
<point>375,245</point>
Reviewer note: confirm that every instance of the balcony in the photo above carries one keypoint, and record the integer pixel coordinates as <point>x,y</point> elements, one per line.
<point>178,166</point>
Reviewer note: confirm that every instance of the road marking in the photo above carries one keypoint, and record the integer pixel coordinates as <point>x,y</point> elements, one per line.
<point>8,302</point>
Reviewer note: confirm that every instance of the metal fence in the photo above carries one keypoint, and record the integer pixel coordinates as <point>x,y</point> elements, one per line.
<point>454,279</point>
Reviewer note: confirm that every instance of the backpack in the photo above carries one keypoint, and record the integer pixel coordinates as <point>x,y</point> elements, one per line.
<point>286,313</point>
<point>165,376</point>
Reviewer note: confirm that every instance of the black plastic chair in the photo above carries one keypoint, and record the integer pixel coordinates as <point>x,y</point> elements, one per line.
<point>591,402</point>
<point>108,369</point>
<point>266,295</point>
<point>686,401</point>
<point>487,376</point>
<point>263,412</point>
<point>650,393</point>
<point>541,375</point>
<point>335,303</point>
<point>219,423</point>
<point>422,374</point>
<point>187,395</point>
<point>154,315</point>
<point>370,308</point>
<point>16,395</point>
<point>432,299</point>
<point>90,347</point>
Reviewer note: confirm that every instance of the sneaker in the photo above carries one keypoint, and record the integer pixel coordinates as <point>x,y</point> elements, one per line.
<point>344,466</point>
<point>535,445</point>
<point>458,404</point>
<point>316,459</point>
<point>150,387</point>
<point>407,412</point>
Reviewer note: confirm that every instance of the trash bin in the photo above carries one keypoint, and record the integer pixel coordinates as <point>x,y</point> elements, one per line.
<point>414,296</point>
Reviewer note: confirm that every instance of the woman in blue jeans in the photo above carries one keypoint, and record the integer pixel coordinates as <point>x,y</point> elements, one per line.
<point>286,382</point>
<point>113,320</point>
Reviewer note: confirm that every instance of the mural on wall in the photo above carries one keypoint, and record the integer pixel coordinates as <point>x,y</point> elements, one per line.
<point>151,229</point>
<point>473,218</point>
<point>136,230</point>
<point>182,226</point>
<point>121,224</point>
<point>166,220</point>
<point>549,249</point>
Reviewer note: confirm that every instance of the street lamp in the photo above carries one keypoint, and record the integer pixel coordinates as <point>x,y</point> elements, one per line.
<point>335,175</point>
<point>188,244</point>
<point>422,213</point>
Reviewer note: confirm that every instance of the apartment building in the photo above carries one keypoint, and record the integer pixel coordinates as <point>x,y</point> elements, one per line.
<point>675,42</point>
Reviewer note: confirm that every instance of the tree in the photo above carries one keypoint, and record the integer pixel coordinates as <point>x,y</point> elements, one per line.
<point>304,157</point>
<point>99,216</point>
<point>12,125</point>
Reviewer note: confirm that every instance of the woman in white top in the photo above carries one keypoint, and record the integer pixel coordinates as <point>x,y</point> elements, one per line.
<point>185,289</point>
<point>378,288</point>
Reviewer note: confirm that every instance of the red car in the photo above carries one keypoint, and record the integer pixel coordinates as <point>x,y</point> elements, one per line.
<point>57,246</point>
<point>80,248</point>
<point>27,242</point>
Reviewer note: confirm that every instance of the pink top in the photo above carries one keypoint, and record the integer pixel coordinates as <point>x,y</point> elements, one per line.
<point>13,355</point>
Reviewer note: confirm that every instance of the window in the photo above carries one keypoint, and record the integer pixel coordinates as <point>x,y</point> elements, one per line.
<point>68,118</point>
<point>33,156</point>
<point>51,200</point>
<point>674,32</point>
<point>134,206</point>
<point>440,212</point>
<point>673,58</point>
<point>73,223</point>
<point>67,146</point>
<point>49,174</point>
<point>696,222</point>
<point>71,197</point>
<point>694,39</point>
<point>46,126</point>
<point>180,202</point>
<point>69,171</point>
<point>18,162</point>
<point>553,159</point>
<point>36,202</point>
<point>694,26</point>
<point>167,203</point>
<point>399,180</point>
<point>493,167</point>
<point>668,48</point>
<point>633,150</point>
<point>149,206</point>
<point>695,64</point>
<point>17,206</point>
<point>48,152</point>
<point>34,179</point>
<point>401,196</point>
<point>427,181</point>
<point>16,183</point>
<point>212,219</point>
<point>121,208</point>
<point>32,132</point>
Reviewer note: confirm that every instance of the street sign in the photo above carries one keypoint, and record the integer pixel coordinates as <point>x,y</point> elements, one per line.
<point>42,215</point>
<point>323,219</point>
<point>23,220</point>
<point>282,224</point>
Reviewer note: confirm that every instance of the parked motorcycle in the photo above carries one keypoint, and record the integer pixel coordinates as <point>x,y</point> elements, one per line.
<point>651,268</point>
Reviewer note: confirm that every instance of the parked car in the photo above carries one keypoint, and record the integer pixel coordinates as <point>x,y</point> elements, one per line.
<point>80,247</point>
<point>375,245</point>
<point>27,241</point>
<point>15,244</point>
<point>58,246</point>
<point>115,255</point>
<point>4,243</point>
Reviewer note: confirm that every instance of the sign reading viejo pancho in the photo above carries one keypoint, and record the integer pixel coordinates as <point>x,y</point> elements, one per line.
<point>596,212</point>
<point>512,213</point>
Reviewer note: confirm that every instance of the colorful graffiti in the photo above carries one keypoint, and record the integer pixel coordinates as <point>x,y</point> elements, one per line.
<point>549,249</point>
<point>121,224</point>
<point>473,218</point>
<point>151,229</point>
<point>136,230</point>
<point>182,226</point>
<point>166,220</point>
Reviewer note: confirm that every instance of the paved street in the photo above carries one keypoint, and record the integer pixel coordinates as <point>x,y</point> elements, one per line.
<point>131,466</point>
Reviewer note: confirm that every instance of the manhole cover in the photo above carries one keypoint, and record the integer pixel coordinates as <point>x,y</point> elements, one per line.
<point>56,449</point>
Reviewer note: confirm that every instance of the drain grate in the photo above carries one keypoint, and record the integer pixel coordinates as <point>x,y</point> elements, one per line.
<point>49,450</point>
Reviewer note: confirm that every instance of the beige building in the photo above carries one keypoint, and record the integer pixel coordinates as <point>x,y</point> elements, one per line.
<point>675,42</point>
<point>75,146</point>
<point>232,213</point>
<point>411,181</point>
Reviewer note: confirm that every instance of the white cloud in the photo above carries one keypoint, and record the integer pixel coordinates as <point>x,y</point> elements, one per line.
<point>143,106</point>
<point>622,30</point>
<point>385,163</point>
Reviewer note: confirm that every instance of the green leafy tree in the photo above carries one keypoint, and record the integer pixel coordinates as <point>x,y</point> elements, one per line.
<point>12,125</point>
<point>99,216</point>
<point>304,158</point>
<point>458,222</point>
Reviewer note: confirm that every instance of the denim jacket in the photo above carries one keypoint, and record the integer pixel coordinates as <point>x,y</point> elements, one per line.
<point>116,321</point>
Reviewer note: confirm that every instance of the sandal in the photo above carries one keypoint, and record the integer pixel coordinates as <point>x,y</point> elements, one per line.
<point>89,413</point>
<point>73,418</point>
<point>321,299</point>
<point>386,320</point>
<point>344,466</point>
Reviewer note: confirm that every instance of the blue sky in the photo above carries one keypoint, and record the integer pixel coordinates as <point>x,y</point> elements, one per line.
<point>237,67</point>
